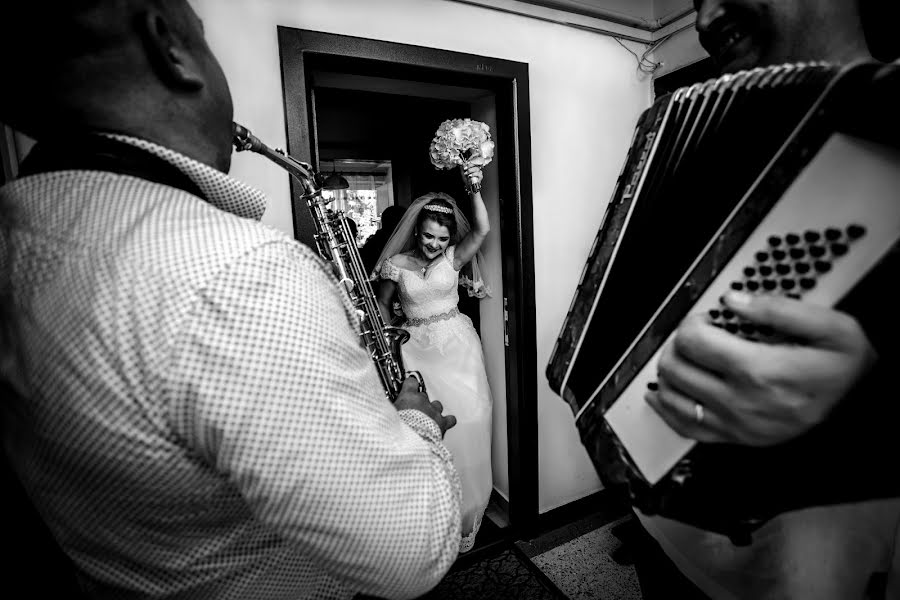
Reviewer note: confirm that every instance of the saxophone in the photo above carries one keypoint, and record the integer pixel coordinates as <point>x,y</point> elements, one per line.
<point>335,244</point>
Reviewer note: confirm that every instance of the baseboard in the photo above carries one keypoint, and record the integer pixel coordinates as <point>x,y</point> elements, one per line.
<point>603,502</point>
<point>498,499</point>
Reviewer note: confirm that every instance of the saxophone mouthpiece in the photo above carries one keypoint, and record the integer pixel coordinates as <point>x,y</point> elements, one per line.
<point>242,138</point>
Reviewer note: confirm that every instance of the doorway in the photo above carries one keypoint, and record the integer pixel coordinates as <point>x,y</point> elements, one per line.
<point>358,101</point>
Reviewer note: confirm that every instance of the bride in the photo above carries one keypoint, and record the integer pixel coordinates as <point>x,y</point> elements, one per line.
<point>430,254</point>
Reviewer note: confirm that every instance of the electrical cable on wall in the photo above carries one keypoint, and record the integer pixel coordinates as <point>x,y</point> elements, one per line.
<point>644,64</point>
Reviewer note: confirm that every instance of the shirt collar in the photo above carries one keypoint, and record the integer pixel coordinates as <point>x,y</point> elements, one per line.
<point>221,190</point>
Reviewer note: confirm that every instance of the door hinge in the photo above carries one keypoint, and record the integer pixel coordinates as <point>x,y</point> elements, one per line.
<point>505,323</point>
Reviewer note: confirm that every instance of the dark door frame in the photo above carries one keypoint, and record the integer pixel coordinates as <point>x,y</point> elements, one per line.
<point>509,82</point>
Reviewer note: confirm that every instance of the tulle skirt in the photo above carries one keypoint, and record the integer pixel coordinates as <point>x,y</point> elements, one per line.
<point>448,354</point>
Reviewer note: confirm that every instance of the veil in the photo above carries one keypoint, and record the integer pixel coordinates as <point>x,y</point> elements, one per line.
<point>470,276</point>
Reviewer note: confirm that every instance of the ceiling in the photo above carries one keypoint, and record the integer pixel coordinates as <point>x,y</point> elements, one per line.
<point>642,14</point>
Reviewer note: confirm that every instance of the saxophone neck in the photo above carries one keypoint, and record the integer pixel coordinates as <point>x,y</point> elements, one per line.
<point>244,140</point>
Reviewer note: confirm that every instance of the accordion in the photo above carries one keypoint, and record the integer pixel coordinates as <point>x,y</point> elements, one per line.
<point>779,180</point>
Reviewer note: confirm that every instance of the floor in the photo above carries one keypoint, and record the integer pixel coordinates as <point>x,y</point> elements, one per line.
<point>588,567</point>
<point>595,554</point>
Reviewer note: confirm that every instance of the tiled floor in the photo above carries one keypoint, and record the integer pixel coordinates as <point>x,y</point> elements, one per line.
<point>600,554</point>
<point>584,568</point>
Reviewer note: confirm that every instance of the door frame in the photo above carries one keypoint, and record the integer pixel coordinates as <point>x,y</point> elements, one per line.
<point>509,82</point>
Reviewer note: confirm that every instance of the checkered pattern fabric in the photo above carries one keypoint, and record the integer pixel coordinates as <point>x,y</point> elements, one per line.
<point>193,414</point>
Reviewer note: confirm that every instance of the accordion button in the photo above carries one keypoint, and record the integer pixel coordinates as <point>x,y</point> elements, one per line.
<point>782,269</point>
<point>714,314</point>
<point>732,327</point>
<point>752,285</point>
<point>812,237</point>
<point>792,239</point>
<point>807,283</point>
<point>817,251</point>
<point>797,253</point>
<point>854,232</point>
<point>774,241</point>
<point>793,296</point>
<point>788,284</point>
<point>802,268</point>
<point>652,386</point>
<point>765,271</point>
<point>839,249</point>
<point>822,266</point>
<point>769,284</point>
<point>779,255</point>
<point>762,256</point>
<point>832,234</point>
<point>737,286</point>
<point>727,315</point>
<point>749,272</point>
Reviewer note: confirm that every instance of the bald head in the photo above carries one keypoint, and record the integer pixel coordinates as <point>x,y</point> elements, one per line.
<point>139,67</point>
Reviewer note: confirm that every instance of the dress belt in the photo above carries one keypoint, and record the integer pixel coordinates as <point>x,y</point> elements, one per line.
<point>433,318</point>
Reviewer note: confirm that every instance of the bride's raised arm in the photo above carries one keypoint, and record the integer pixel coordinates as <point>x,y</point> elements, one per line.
<point>469,245</point>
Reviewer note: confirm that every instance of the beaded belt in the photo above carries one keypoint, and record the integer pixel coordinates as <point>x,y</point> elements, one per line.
<point>433,318</point>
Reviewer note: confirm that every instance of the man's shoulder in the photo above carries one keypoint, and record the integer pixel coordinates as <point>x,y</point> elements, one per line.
<point>182,225</point>
<point>214,241</point>
<point>143,227</point>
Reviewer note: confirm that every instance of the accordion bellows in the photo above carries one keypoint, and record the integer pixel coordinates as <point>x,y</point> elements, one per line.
<point>782,180</point>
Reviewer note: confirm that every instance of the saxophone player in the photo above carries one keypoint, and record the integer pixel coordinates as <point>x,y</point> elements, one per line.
<point>188,407</point>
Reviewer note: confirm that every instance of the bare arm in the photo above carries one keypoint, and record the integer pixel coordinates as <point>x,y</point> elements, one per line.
<point>469,245</point>
<point>385,296</point>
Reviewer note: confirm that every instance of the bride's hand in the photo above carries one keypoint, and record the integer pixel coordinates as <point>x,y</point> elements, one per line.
<point>472,174</point>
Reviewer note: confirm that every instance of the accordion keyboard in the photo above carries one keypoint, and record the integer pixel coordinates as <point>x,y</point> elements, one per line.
<point>837,219</point>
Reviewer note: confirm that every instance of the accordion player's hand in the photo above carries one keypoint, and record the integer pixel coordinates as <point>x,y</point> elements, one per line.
<point>755,393</point>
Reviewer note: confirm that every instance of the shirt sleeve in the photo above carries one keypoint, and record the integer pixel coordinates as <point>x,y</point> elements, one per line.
<point>275,390</point>
<point>389,270</point>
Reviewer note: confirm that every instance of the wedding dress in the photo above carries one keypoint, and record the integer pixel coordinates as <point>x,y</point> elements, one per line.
<point>446,350</point>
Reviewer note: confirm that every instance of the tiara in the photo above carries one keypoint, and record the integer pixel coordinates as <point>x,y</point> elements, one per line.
<point>437,208</point>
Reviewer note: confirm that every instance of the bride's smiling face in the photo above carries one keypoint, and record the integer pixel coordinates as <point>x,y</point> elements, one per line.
<point>432,239</point>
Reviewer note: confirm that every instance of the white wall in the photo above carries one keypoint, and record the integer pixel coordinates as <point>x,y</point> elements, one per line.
<point>586,95</point>
<point>491,308</point>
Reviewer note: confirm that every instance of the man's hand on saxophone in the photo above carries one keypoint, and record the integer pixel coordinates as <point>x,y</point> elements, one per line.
<point>411,398</point>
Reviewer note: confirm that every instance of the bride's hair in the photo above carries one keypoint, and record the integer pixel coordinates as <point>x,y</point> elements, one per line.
<point>441,212</point>
<point>444,211</point>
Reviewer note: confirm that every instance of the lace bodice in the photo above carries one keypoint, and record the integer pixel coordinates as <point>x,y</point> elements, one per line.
<point>424,295</point>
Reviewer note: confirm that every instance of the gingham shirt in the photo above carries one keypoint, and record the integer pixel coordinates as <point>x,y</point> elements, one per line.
<point>194,416</point>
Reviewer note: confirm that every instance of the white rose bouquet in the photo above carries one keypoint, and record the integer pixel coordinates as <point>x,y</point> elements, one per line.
<point>457,142</point>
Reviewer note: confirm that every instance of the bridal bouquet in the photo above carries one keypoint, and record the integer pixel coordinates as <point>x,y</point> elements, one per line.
<point>458,141</point>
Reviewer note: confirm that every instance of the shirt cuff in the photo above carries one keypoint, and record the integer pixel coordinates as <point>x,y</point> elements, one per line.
<point>421,424</point>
